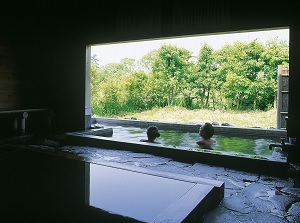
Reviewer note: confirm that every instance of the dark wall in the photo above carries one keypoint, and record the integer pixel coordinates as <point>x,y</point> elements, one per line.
<point>50,42</point>
<point>38,187</point>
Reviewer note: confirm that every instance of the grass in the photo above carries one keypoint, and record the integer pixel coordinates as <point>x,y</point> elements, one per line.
<point>262,119</point>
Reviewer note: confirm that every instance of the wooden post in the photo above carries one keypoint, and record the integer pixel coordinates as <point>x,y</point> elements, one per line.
<point>282,97</point>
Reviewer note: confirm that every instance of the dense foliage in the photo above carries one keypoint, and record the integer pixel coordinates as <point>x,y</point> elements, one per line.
<point>241,76</point>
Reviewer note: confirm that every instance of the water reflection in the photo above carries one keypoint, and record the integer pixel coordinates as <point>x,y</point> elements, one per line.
<point>185,140</point>
<point>136,195</point>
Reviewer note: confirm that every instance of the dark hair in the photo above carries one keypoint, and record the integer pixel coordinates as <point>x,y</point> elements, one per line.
<point>152,132</point>
<point>208,129</point>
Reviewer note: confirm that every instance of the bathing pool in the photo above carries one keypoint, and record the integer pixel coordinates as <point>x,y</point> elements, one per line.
<point>256,147</point>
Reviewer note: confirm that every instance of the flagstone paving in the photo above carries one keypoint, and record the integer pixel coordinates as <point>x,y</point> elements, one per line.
<point>248,197</point>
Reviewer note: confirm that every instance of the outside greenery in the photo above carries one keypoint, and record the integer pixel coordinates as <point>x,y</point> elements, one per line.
<point>236,84</point>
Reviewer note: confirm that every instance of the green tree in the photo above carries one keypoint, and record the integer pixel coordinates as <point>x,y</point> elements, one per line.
<point>206,74</point>
<point>114,70</point>
<point>235,88</point>
<point>169,68</point>
<point>189,86</point>
<point>261,91</point>
<point>239,75</point>
<point>110,100</point>
<point>147,61</point>
<point>94,81</point>
<point>128,66</point>
<point>275,53</point>
<point>136,95</point>
<point>244,60</point>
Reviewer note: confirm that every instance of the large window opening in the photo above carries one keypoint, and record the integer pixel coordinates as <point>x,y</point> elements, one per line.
<point>228,78</point>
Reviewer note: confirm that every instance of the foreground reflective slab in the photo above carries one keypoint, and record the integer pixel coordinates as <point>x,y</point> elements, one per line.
<point>51,186</point>
<point>146,197</point>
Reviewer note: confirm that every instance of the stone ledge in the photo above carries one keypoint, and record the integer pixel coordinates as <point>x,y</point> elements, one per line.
<point>221,130</point>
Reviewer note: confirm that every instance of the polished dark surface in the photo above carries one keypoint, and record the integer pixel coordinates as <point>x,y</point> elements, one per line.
<point>42,186</point>
<point>137,195</point>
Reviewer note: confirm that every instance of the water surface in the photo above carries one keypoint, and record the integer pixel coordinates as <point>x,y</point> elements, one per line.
<point>255,147</point>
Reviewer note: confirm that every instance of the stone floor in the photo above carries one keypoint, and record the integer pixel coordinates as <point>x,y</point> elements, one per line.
<point>248,197</point>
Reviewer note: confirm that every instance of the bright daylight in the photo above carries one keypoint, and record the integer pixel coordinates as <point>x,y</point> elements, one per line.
<point>224,78</point>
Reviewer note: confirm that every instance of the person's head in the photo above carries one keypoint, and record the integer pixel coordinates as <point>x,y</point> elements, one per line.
<point>206,131</point>
<point>152,132</point>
